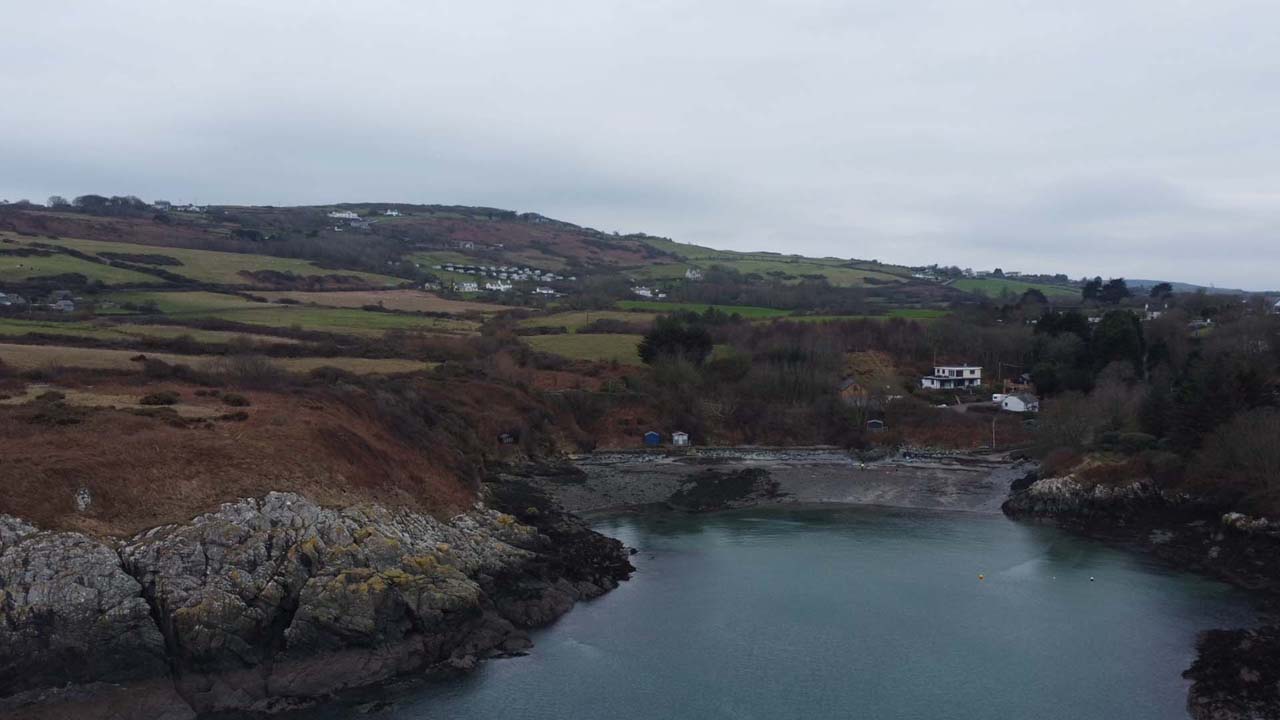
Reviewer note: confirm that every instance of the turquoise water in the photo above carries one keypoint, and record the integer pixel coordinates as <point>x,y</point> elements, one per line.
<point>870,613</point>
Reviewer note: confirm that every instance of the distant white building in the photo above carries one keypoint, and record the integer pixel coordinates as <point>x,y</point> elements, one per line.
<point>344,215</point>
<point>1020,403</point>
<point>391,213</point>
<point>466,287</point>
<point>498,286</point>
<point>1276,308</point>
<point>543,291</point>
<point>642,291</point>
<point>679,439</point>
<point>950,377</point>
<point>693,274</point>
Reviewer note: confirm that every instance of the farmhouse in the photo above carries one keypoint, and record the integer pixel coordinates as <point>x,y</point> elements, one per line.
<point>950,377</point>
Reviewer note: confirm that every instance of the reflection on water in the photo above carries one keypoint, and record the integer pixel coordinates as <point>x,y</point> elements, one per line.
<point>875,613</point>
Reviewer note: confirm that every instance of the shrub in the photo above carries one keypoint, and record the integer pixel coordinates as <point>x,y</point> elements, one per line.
<point>51,396</point>
<point>1059,461</point>
<point>248,371</point>
<point>235,400</point>
<point>238,416</point>
<point>164,397</point>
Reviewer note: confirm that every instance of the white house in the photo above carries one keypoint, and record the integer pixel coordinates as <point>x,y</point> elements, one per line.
<point>950,377</point>
<point>693,274</point>
<point>1276,308</point>
<point>466,287</point>
<point>499,286</point>
<point>344,215</point>
<point>642,291</point>
<point>1020,403</point>
<point>543,291</point>
<point>391,213</point>
<point>679,439</point>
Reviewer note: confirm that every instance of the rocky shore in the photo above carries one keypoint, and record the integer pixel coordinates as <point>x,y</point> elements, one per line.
<point>272,603</point>
<point>1236,675</point>
<point>718,478</point>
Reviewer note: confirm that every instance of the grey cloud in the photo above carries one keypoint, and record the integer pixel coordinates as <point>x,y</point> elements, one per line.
<point>1090,138</point>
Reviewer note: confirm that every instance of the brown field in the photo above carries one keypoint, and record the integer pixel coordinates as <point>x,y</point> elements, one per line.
<point>145,470</point>
<point>32,357</point>
<point>404,300</point>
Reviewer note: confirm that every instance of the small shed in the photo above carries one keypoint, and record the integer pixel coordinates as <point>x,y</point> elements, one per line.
<point>679,439</point>
<point>875,425</point>
<point>652,439</point>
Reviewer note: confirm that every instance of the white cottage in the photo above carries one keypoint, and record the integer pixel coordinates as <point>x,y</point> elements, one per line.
<point>1020,403</point>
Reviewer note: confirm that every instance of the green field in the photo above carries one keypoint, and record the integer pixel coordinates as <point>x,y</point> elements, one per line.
<point>922,314</point>
<point>103,330</point>
<point>837,271</point>
<point>348,321</point>
<point>16,269</point>
<point>575,319</point>
<point>746,311</point>
<point>994,287</point>
<point>590,347</point>
<point>210,266</point>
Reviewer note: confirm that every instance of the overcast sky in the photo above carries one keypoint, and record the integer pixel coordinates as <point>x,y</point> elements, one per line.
<point>1137,138</point>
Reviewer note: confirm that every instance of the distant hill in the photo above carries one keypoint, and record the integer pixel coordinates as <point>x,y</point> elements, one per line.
<point>1183,287</point>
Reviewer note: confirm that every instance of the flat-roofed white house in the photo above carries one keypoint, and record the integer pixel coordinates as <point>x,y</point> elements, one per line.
<point>950,377</point>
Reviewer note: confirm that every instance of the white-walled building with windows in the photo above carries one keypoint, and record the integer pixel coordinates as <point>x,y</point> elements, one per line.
<point>950,377</point>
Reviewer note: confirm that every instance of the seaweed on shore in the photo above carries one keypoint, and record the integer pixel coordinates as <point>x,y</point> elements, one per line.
<point>714,489</point>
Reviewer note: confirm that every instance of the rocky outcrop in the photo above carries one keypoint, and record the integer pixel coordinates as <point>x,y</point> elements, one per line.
<point>1068,498</point>
<point>72,620</point>
<point>269,603</point>
<point>1236,675</point>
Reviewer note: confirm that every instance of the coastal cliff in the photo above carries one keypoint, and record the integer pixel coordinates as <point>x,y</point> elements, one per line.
<point>267,604</point>
<point>1236,674</point>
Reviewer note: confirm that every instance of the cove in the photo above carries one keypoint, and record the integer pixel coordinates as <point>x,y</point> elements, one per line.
<point>810,612</point>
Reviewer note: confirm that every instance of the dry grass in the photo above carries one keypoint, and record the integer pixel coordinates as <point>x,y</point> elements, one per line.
<point>404,300</point>
<point>34,357</point>
<point>189,407</point>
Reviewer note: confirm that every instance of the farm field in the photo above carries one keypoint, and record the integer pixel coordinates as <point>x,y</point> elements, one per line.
<point>211,266</point>
<point>575,319</point>
<point>922,314</point>
<point>14,268</point>
<point>102,330</point>
<point>600,347</point>
<point>405,300</point>
<point>746,311</point>
<point>837,271</point>
<point>993,287</point>
<point>31,357</point>
<point>351,321</point>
